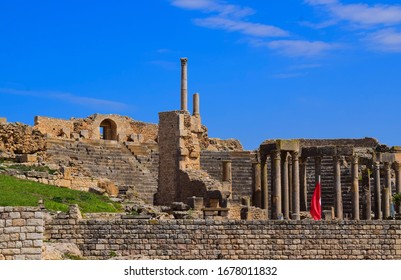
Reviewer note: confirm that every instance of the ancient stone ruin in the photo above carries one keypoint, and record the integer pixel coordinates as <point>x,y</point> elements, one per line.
<point>176,166</point>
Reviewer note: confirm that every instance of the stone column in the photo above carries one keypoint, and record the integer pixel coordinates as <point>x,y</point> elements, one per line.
<point>387,178</point>
<point>227,175</point>
<point>196,104</point>
<point>184,84</point>
<point>368,201</point>
<point>295,186</point>
<point>276,199</point>
<point>290,182</point>
<point>265,195</point>
<point>318,169</point>
<point>284,181</point>
<point>337,187</point>
<point>303,184</point>
<point>378,206</point>
<point>397,169</point>
<point>257,185</point>
<point>386,203</point>
<point>355,188</point>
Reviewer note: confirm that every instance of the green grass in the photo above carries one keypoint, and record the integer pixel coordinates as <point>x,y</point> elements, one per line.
<point>16,192</point>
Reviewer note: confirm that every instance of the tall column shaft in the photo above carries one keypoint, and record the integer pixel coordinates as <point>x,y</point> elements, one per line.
<point>368,200</point>
<point>387,179</point>
<point>276,199</point>
<point>337,187</point>
<point>265,195</point>
<point>227,174</point>
<point>285,189</point>
<point>355,188</point>
<point>295,186</point>
<point>290,182</point>
<point>196,104</point>
<point>378,206</point>
<point>386,203</point>
<point>303,184</point>
<point>397,168</point>
<point>184,84</point>
<point>257,185</point>
<point>318,169</point>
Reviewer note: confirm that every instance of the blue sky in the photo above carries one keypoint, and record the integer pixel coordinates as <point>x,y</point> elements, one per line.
<point>264,69</point>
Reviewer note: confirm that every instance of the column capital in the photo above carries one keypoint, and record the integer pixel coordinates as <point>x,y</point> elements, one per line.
<point>276,155</point>
<point>397,165</point>
<point>295,155</point>
<point>184,60</point>
<point>286,156</point>
<point>355,159</point>
<point>387,166</point>
<point>376,164</point>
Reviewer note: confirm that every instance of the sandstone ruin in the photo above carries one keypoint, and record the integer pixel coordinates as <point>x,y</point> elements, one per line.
<point>175,161</point>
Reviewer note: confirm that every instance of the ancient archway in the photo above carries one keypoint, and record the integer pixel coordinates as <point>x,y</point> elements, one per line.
<point>108,130</point>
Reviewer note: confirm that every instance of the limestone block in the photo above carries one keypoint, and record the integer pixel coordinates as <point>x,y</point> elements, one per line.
<point>110,188</point>
<point>66,172</point>
<point>63,183</point>
<point>3,120</point>
<point>184,152</point>
<point>97,190</point>
<point>74,135</point>
<point>84,134</point>
<point>65,132</point>
<point>28,158</point>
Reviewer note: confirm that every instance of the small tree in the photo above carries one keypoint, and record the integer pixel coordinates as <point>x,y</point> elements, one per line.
<point>397,199</point>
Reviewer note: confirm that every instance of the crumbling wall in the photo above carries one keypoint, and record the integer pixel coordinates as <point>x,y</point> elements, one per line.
<point>18,138</point>
<point>54,127</point>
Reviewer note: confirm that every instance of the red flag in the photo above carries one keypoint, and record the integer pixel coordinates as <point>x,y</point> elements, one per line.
<point>316,205</point>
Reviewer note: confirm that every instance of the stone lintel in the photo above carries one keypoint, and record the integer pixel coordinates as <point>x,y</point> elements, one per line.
<point>387,157</point>
<point>283,145</point>
<point>327,151</point>
<point>396,149</point>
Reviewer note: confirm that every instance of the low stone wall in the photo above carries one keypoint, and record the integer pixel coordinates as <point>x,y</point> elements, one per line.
<point>210,239</point>
<point>21,233</point>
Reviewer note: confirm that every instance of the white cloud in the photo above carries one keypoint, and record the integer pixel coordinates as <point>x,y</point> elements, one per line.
<point>247,28</point>
<point>300,47</point>
<point>68,97</point>
<point>229,18</point>
<point>388,40</point>
<point>361,14</point>
<point>214,6</point>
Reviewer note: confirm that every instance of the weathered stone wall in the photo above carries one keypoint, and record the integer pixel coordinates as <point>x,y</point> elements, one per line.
<point>209,239</point>
<point>21,233</point>
<point>18,138</point>
<point>241,169</point>
<point>53,127</point>
<point>126,129</point>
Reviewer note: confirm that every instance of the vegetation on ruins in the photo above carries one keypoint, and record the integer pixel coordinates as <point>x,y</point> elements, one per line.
<point>17,192</point>
<point>397,199</point>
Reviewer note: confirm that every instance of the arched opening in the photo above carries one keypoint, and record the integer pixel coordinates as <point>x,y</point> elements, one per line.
<point>108,130</point>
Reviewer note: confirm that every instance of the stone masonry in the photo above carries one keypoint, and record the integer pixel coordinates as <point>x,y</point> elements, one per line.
<point>21,233</point>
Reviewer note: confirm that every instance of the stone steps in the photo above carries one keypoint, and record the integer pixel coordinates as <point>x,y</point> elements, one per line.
<point>110,160</point>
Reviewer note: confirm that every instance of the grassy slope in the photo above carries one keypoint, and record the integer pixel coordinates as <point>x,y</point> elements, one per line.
<point>16,192</point>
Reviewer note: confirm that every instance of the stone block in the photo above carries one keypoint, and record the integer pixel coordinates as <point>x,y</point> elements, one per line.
<point>344,150</point>
<point>18,222</point>
<point>31,251</point>
<point>66,172</point>
<point>288,145</point>
<point>110,188</point>
<point>74,135</point>
<point>84,134</point>
<point>34,222</point>
<point>3,120</point>
<point>28,158</point>
<point>63,183</point>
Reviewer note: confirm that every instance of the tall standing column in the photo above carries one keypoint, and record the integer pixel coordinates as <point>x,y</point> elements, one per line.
<point>290,182</point>
<point>295,186</point>
<point>355,188</point>
<point>303,184</point>
<point>378,205</point>
<point>184,84</point>
<point>387,179</point>
<point>386,203</point>
<point>257,186</point>
<point>318,169</point>
<point>284,181</point>
<point>276,200</point>
<point>397,169</point>
<point>265,195</point>
<point>227,175</point>
<point>337,187</point>
<point>196,104</point>
<point>368,200</point>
